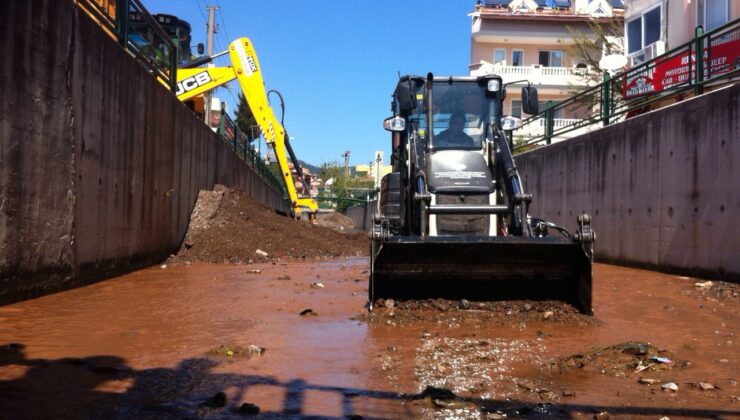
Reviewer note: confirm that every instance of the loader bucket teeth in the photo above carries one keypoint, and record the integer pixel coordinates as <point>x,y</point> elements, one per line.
<point>482,269</point>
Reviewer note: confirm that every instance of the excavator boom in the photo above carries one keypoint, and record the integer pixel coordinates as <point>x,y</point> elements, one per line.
<point>245,68</point>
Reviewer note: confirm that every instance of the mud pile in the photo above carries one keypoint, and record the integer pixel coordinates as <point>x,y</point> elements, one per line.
<point>336,221</point>
<point>227,226</point>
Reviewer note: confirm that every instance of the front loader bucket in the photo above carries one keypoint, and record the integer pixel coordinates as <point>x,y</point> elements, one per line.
<point>482,269</point>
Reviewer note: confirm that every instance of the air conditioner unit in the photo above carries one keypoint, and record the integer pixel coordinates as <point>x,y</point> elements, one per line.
<point>648,53</point>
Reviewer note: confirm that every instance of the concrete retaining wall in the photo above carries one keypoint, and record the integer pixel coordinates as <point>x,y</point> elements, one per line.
<point>362,215</point>
<point>663,189</point>
<point>100,165</point>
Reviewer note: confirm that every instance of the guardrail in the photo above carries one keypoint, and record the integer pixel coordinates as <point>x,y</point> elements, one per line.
<point>241,145</point>
<point>130,24</point>
<point>668,78</point>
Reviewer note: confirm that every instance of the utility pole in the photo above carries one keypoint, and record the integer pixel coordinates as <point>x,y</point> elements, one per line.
<point>345,155</point>
<point>211,29</point>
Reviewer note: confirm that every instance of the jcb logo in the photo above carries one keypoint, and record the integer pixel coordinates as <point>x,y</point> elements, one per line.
<point>192,82</point>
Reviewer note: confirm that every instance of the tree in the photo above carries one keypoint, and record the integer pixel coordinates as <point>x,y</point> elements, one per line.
<point>342,185</point>
<point>245,120</point>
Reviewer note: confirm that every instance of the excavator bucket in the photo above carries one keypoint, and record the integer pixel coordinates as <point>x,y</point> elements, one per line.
<point>481,269</point>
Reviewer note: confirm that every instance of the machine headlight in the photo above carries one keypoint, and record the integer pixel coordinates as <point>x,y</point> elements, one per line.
<point>394,124</point>
<point>494,85</point>
<point>509,123</point>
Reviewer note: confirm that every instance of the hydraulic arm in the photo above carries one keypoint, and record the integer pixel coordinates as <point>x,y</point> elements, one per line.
<point>245,68</point>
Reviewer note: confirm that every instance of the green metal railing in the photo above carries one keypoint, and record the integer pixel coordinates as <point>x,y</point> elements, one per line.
<point>668,78</point>
<point>241,145</point>
<point>131,25</point>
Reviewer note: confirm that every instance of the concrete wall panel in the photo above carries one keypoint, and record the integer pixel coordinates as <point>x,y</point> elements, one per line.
<point>662,188</point>
<point>100,166</point>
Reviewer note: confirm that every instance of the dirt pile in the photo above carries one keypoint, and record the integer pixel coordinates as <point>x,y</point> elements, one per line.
<point>228,226</point>
<point>336,221</point>
<point>619,360</point>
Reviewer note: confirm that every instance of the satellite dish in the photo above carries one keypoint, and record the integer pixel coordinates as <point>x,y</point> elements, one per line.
<point>613,62</point>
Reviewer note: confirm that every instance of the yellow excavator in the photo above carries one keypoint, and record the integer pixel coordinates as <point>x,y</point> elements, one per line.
<point>193,81</point>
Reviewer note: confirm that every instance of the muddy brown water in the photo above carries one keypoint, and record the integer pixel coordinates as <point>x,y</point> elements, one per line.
<point>137,346</point>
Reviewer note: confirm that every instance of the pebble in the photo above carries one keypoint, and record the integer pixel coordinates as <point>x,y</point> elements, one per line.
<point>163,266</point>
<point>705,386</point>
<point>308,311</point>
<point>254,271</point>
<point>647,381</point>
<point>255,349</point>
<point>495,416</point>
<point>261,253</point>
<point>463,304</point>
<point>604,415</point>
<point>528,307</point>
<point>569,393</point>
<point>317,285</point>
<point>284,277</point>
<point>390,303</point>
<point>670,386</point>
<point>723,361</point>
<point>249,408</point>
<point>547,314</point>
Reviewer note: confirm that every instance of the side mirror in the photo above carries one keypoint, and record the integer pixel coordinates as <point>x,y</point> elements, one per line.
<point>530,104</point>
<point>201,49</point>
<point>395,124</point>
<point>405,97</point>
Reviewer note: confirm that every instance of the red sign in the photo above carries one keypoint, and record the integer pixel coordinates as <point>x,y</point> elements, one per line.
<point>665,73</point>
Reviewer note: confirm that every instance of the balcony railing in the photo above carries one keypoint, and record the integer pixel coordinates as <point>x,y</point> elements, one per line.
<point>537,74</point>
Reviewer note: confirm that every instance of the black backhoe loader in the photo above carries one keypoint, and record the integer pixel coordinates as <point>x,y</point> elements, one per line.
<point>453,219</point>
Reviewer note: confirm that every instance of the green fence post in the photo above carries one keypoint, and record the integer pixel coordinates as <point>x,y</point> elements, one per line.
<point>699,60</point>
<point>605,99</point>
<point>222,124</point>
<point>549,123</point>
<point>122,11</point>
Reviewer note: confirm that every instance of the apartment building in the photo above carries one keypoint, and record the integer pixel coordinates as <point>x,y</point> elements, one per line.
<point>528,39</point>
<point>653,27</point>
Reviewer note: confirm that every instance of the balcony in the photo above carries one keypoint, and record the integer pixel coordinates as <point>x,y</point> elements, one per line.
<point>537,74</point>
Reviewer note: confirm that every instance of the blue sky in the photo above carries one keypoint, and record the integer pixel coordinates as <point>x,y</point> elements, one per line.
<point>336,62</point>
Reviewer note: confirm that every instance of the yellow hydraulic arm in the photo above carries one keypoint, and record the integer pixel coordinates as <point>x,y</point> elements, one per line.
<point>245,68</point>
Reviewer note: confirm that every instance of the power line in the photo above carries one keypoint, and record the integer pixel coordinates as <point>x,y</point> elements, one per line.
<point>223,22</point>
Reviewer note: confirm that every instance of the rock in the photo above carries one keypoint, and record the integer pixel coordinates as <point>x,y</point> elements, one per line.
<point>604,415</point>
<point>723,361</point>
<point>249,408</point>
<point>463,304</point>
<point>528,385</point>
<point>670,386</point>
<point>308,311</point>
<point>528,307</point>
<point>163,266</point>
<point>284,277</point>
<point>261,253</point>
<point>636,348</point>
<point>218,400</point>
<point>317,285</point>
<point>254,271</point>
<point>705,386</point>
<point>665,418</point>
<point>390,303</point>
<point>547,314</point>
<point>495,416</point>
<point>254,349</point>
<point>703,285</point>
<point>569,393</point>
<point>648,381</point>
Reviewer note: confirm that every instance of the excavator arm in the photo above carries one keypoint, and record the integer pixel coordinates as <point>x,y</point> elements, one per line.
<point>245,68</point>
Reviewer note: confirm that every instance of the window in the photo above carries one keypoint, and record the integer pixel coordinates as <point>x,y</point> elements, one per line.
<point>516,109</point>
<point>517,58</point>
<point>551,58</point>
<point>713,13</point>
<point>499,56</point>
<point>644,30</point>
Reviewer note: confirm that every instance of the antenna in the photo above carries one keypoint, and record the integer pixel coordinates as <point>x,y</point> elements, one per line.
<point>345,155</point>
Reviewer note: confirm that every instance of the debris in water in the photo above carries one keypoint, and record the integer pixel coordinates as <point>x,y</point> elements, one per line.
<point>661,359</point>
<point>284,277</point>
<point>604,415</point>
<point>569,393</point>
<point>670,386</point>
<point>317,285</point>
<point>255,349</point>
<point>648,381</point>
<point>249,408</point>
<point>706,386</point>
<point>703,284</point>
<point>261,253</point>
<point>254,271</point>
<point>218,400</point>
<point>308,311</point>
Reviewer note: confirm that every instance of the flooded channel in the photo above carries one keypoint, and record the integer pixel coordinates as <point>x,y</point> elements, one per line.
<point>202,340</point>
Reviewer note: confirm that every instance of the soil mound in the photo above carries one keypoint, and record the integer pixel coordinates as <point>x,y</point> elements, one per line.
<point>335,220</point>
<point>228,226</point>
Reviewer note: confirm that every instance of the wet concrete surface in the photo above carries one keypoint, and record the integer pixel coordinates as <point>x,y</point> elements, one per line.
<point>162,342</point>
